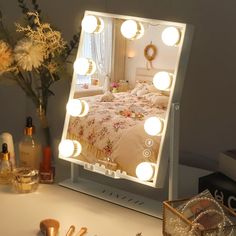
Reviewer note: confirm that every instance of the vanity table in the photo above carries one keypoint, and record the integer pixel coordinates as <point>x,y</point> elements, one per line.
<point>20,214</point>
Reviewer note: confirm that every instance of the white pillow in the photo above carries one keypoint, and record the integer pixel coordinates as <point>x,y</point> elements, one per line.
<point>142,92</point>
<point>139,86</point>
<point>157,99</point>
<point>160,101</point>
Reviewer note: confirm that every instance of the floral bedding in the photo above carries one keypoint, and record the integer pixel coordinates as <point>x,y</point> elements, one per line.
<point>107,122</point>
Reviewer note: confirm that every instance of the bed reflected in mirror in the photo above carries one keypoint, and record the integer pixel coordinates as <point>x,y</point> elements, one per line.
<point>123,83</point>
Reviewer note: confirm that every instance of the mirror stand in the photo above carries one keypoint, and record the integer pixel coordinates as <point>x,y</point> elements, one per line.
<point>127,199</point>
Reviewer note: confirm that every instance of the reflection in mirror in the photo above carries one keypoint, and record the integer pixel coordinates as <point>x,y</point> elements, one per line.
<point>124,78</point>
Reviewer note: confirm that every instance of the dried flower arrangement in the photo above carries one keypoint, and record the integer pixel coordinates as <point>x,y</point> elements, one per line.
<point>36,59</point>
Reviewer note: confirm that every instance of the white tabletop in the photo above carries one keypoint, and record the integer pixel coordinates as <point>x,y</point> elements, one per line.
<point>20,214</point>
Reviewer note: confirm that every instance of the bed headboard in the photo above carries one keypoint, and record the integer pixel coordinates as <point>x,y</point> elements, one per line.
<point>146,75</point>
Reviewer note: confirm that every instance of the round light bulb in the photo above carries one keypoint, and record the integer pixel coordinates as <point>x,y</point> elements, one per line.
<point>85,108</point>
<point>84,66</point>
<point>74,107</point>
<point>69,148</point>
<point>153,126</point>
<point>132,29</point>
<point>170,36</point>
<point>92,24</point>
<point>66,148</point>
<point>162,80</point>
<point>77,148</point>
<point>144,171</point>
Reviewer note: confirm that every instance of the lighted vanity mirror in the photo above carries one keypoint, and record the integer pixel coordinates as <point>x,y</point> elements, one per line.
<point>124,83</point>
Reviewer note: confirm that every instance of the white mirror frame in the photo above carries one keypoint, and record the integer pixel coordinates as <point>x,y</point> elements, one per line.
<point>178,80</point>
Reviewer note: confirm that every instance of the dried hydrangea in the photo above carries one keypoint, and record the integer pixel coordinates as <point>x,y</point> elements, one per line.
<point>6,58</point>
<point>43,34</point>
<point>28,54</point>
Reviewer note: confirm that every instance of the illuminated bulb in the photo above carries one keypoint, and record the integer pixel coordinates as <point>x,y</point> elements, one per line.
<point>144,171</point>
<point>84,66</point>
<point>153,126</point>
<point>85,108</point>
<point>69,148</point>
<point>74,107</point>
<point>131,29</point>
<point>77,148</point>
<point>170,36</point>
<point>92,24</point>
<point>162,80</point>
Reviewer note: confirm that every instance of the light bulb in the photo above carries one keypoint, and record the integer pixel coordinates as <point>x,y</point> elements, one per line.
<point>170,36</point>
<point>74,107</point>
<point>153,126</point>
<point>69,148</point>
<point>162,80</point>
<point>132,29</point>
<point>77,148</point>
<point>92,24</point>
<point>85,108</point>
<point>84,66</point>
<point>144,171</point>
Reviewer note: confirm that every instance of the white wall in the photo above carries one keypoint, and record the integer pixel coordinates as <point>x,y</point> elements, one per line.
<point>208,114</point>
<point>165,59</point>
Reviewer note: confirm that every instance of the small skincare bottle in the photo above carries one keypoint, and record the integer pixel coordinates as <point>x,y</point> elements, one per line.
<point>5,166</point>
<point>46,171</point>
<point>8,139</point>
<point>30,150</point>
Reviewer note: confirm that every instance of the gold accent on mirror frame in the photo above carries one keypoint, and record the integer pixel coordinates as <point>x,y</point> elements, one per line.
<point>150,52</point>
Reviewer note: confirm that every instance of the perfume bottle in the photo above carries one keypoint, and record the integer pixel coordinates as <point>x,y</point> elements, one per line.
<point>5,166</point>
<point>46,171</point>
<point>30,150</point>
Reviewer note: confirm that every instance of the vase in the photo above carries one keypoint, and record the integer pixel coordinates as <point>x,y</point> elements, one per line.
<point>44,127</point>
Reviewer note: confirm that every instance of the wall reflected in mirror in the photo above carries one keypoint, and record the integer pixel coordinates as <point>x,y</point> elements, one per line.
<point>124,77</point>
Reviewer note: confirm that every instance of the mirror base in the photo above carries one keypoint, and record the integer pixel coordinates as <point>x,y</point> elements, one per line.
<point>114,195</point>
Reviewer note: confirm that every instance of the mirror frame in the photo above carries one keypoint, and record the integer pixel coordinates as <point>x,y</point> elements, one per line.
<point>175,95</point>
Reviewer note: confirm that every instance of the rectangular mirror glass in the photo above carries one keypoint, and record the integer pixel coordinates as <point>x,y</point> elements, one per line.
<point>124,82</point>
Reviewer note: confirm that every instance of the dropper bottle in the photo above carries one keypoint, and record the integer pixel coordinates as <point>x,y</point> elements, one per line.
<point>5,166</point>
<point>30,150</point>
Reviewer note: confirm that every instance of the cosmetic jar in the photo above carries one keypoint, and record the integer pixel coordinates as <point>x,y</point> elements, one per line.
<point>25,180</point>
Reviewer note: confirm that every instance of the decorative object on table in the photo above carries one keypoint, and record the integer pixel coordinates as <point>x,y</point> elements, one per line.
<point>30,150</point>
<point>150,52</point>
<point>8,139</point>
<point>114,87</point>
<point>200,215</point>
<point>46,171</point>
<point>25,180</point>
<point>82,231</point>
<point>221,187</point>
<point>36,59</point>
<point>5,166</point>
<point>71,231</point>
<point>94,81</point>
<point>49,227</point>
<point>227,163</point>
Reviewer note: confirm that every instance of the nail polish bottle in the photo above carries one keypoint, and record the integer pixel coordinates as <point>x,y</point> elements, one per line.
<point>5,166</point>
<point>46,171</point>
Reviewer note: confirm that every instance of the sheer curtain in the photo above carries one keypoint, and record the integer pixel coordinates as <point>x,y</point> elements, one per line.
<point>101,45</point>
<point>99,48</point>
